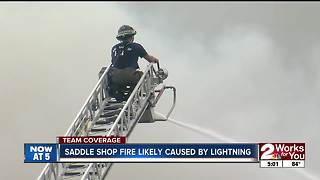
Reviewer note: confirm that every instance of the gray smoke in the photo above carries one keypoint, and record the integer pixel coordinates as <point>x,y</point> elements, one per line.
<point>248,71</point>
<point>50,57</point>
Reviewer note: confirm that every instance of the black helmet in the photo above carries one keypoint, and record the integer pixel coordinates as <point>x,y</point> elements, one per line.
<point>125,31</point>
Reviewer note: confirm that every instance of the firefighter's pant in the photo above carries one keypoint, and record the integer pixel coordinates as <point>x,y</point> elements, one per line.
<point>125,77</point>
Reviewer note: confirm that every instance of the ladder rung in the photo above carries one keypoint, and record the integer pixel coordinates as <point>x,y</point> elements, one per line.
<point>112,101</point>
<point>113,106</point>
<point>76,166</point>
<point>73,173</point>
<point>107,120</point>
<point>98,129</point>
<point>110,113</point>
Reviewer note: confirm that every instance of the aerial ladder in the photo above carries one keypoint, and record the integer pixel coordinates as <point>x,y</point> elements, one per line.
<point>103,115</point>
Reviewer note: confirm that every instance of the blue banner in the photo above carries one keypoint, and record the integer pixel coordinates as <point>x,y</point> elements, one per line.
<point>40,153</point>
<point>158,151</point>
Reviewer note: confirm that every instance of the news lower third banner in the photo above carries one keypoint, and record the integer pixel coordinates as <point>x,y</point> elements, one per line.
<point>159,153</point>
<point>115,149</point>
<point>141,153</point>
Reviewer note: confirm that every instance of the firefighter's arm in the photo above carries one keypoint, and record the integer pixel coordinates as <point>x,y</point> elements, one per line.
<point>151,59</point>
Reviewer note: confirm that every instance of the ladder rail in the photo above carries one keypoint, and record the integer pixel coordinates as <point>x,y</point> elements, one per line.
<point>51,169</point>
<point>98,88</point>
<point>123,125</point>
<point>134,96</point>
<point>173,101</point>
<point>145,85</point>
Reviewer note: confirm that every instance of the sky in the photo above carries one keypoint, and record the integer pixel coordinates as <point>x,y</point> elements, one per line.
<point>248,71</point>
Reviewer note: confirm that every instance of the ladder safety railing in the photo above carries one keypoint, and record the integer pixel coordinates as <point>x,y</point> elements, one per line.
<point>160,92</point>
<point>142,97</point>
<point>96,97</point>
<point>86,114</point>
<point>128,117</point>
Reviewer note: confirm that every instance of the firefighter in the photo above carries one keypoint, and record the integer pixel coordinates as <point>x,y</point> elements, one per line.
<point>124,58</point>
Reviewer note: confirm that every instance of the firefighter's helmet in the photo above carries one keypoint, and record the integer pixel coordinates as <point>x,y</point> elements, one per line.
<point>125,31</point>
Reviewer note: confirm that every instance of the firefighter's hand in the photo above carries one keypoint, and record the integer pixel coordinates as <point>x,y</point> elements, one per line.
<point>156,60</point>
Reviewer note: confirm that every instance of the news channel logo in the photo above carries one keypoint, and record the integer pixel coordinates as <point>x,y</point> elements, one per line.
<point>282,151</point>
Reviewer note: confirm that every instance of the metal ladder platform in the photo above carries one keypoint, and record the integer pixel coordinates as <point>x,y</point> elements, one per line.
<point>104,115</point>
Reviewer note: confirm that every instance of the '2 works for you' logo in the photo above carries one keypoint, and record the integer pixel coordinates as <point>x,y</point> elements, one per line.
<point>282,151</point>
